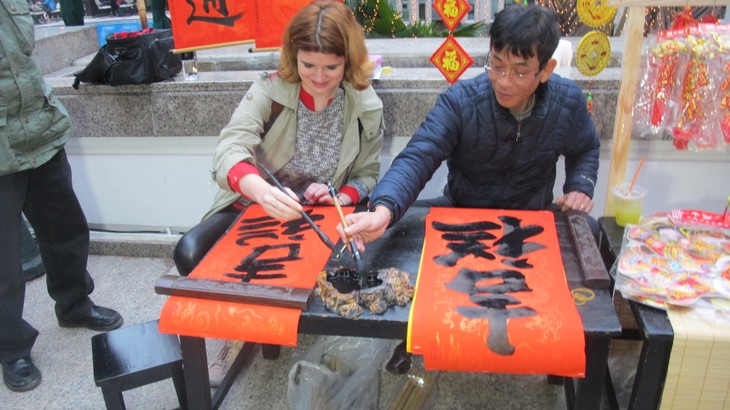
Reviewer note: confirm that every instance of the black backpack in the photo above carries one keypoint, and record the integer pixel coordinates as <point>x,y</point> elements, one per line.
<point>143,58</point>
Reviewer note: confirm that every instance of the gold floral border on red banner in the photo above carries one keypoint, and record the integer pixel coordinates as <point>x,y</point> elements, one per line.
<point>451,59</point>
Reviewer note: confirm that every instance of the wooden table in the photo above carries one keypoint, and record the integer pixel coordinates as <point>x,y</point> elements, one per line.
<point>401,247</point>
<point>654,330</point>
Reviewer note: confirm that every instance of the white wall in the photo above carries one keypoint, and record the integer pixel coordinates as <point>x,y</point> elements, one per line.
<point>143,184</point>
<point>163,184</point>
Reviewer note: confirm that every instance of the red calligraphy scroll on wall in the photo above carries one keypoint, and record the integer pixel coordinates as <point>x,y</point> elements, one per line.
<point>274,16</point>
<point>260,250</point>
<point>492,296</point>
<point>201,23</point>
<point>197,23</point>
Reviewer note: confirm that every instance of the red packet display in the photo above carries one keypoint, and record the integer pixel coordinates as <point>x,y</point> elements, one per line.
<point>492,296</point>
<point>260,250</point>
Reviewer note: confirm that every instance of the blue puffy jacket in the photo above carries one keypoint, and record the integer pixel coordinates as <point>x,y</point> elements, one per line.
<point>493,160</point>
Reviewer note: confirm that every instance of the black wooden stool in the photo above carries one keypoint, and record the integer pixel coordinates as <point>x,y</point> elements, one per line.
<point>135,356</point>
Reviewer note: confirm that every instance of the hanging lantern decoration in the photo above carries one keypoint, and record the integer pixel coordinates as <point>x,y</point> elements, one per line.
<point>450,58</point>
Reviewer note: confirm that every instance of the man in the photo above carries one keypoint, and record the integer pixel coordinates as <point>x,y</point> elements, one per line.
<point>501,135</point>
<point>72,12</point>
<point>35,180</point>
<point>160,20</point>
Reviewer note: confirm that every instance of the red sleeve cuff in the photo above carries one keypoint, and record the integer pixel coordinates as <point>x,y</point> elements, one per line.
<point>351,192</point>
<point>239,171</point>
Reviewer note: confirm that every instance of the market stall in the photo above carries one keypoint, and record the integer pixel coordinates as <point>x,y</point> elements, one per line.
<point>661,264</point>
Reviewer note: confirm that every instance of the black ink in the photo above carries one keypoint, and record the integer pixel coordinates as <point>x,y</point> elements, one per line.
<point>252,264</point>
<point>253,228</point>
<point>300,225</point>
<point>221,10</point>
<point>467,227</point>
<point>494,304</point>
<point>498,339</point>
<point>512,243</point>
<point>464,239</point>
<point>518,263</point>
<point>467,281</point>
<point>243,237</point>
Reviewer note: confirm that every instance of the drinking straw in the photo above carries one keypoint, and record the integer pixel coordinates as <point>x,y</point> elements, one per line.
<point>636,175</point>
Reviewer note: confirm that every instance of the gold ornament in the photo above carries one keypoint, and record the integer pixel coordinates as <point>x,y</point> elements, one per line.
<point>595,13</point>
<point>593,53</point>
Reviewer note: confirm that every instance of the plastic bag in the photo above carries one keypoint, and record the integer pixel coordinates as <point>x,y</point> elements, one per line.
<point>338,373</point>
<point>669,262</point>
<point>418,389</point>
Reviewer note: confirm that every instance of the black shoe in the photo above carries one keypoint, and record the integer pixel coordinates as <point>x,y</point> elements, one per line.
<point>98,318</point>
<point>400,362</point>
<point>21,375</point>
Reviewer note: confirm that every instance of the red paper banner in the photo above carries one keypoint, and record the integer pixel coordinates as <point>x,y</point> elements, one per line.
<point>275,16</point>
<point>197,23</point>
<point>492,296</point>
<point>260,250</point>
<point>451,59</point>
<point>451,12</point>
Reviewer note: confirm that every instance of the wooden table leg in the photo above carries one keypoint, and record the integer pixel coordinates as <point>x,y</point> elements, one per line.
<point>195,366</point>
<point>589,390</point>
<point>651,372</point>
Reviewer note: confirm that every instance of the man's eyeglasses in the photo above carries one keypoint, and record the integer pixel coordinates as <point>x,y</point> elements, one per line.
<point>499,73</point>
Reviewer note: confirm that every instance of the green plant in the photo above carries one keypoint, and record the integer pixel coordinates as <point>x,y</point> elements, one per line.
<point>380,21</point>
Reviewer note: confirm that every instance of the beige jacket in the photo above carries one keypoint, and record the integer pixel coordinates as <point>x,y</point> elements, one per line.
<point>240,140</point>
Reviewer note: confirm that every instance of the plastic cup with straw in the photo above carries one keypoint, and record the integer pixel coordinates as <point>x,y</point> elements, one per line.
<point>629,200</point>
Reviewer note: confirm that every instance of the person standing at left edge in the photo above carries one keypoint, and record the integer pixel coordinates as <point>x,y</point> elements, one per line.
<point>35,180</point>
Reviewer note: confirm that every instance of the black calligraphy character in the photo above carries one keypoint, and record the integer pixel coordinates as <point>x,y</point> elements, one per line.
<point>223,9</point>
<point>252,228</point>
<point>221,18</point>
<point>464,239</point>
<point>252,264</point>
<point>493,302</point>
<point>294,228</point>
<point>512,244</point>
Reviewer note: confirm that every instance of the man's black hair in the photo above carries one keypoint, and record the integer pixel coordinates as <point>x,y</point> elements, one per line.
<point>526,30</point>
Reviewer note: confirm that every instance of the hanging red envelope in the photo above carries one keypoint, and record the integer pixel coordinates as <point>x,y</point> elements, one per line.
<point>260,250</point>
<point>492,296</point>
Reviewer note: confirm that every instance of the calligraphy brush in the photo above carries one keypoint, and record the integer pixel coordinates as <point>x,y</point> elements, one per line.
<point>322,236</point>
<point>355,252</point>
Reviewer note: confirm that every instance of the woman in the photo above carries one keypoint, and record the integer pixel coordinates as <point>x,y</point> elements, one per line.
<point>327,127</point>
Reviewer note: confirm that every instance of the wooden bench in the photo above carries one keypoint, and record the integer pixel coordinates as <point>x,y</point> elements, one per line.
<point>134,356</point>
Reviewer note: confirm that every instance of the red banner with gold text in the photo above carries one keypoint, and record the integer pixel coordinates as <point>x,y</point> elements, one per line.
<point>260,250</point>
<point>492,296</point>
